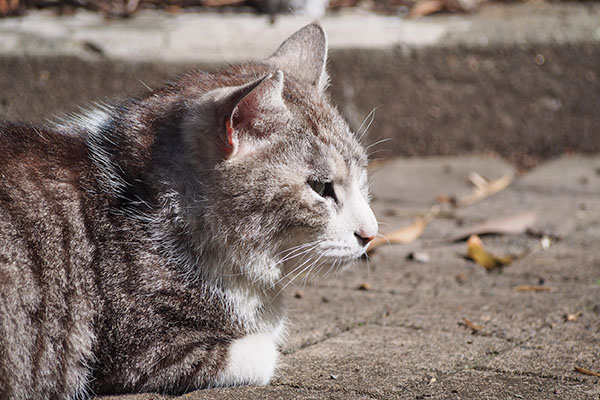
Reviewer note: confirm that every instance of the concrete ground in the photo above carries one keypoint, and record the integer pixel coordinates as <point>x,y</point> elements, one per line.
<point>405,337</point>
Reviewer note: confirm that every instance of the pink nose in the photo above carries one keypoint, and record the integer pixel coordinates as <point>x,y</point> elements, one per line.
<point>362,238</point>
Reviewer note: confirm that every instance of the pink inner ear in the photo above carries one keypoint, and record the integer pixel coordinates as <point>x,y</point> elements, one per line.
<point>229,132</point>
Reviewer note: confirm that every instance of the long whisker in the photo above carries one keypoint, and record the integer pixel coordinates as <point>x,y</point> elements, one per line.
<point>305,279</point>
<point>292,252</point>
<point>377,151</point>
<point>378,142</point>
<point>292,280</point>
<point>297,247</point>
<point>370,117</point>
<point>297,267</point>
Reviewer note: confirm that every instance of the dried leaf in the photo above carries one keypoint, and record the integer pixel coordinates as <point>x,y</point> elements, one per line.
<point>506,225</point>
<point>574,317</point>
<point>425,7</point>
<point>478,181</point>
<point>586,371</point>
<point>481,256</point>
<point>471,325</point>
<point>484,189</point>
<point>404,235</point>
<point>219,3</point>
<point>444,198</point>
<point>531,288</point>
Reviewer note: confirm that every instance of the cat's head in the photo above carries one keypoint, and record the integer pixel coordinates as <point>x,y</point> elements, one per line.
<point>287,179</point>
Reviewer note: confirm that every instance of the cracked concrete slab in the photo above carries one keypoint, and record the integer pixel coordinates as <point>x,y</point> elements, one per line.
<point>504,385</point>
<point>382,361</point>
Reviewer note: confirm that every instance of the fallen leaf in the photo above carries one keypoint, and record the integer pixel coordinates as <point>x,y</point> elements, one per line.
<point>471,325</point>
<point>404,235</point>
<point>574,317</point>
<point>481,256</point>
<point>219,3</point>
<point>531,288</point>
<point>425,7</point>
<point>478,181</point>
<point>484,188</point>
<point>444,198</point>
<point>586,371</point>
<point>506,225</point>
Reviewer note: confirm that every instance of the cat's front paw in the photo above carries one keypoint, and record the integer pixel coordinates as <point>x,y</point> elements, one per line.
<point>251,361</point>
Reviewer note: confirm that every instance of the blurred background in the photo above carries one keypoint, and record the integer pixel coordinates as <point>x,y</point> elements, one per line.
<point>446,77</point>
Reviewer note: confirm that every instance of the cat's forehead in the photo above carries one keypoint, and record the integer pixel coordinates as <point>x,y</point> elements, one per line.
<point>330,134</point>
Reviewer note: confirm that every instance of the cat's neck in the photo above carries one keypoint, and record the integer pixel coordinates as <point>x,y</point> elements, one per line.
<point>250,282</point>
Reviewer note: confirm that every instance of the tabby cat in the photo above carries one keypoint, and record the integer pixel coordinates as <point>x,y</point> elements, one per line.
<point>145,246</point>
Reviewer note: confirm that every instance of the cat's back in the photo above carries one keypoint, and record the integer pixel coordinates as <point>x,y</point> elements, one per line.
<point>45,296</point>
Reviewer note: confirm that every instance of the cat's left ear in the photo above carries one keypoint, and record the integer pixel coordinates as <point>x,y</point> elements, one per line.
<point>251,112</point>
<point>304,55</point>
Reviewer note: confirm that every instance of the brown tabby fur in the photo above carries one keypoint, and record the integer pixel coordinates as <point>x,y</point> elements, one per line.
<point>112,227</point>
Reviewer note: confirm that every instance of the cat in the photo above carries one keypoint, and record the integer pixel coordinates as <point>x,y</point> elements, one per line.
<point>144,246</point>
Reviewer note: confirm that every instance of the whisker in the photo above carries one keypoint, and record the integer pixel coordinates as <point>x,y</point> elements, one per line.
<point>300,250</point>
<point>377,143</point>
<point>296,268</point>
<point>305,279</point>
<point>292,280</point>
<point>332,267</point>
<point>371,118</point>
<point>378,151</point>
<point>384,238</point>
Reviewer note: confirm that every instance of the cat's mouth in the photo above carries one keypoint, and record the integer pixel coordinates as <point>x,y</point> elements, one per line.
<point>340,252</point>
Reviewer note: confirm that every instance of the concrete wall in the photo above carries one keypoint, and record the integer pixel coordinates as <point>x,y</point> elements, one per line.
<point>525,86</point>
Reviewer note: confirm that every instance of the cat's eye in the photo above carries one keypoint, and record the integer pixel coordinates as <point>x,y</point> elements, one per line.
<point>323,189</point>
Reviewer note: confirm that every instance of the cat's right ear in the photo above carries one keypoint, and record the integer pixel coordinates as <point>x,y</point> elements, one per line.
<point>304,55</point>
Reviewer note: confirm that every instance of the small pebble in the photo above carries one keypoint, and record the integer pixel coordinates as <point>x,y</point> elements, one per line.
<point>364,286</point>
<point>419,256</point>
<point>545,242</point>
<point>324,299</point>
<point>299,294</point>
<point>333,376</point>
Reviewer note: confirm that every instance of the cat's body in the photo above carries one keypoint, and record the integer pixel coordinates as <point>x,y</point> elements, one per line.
<point>144,247</point>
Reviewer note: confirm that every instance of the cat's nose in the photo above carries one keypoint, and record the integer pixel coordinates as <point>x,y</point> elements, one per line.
<point>363,238</point>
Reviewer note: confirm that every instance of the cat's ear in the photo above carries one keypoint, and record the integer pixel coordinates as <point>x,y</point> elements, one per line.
<point>250,111</point>
<point>304,55</point>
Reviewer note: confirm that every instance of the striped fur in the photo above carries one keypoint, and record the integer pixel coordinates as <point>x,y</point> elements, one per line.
<point>144,246</point>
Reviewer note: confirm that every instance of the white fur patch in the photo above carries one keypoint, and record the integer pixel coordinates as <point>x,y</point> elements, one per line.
<point>251,360</point>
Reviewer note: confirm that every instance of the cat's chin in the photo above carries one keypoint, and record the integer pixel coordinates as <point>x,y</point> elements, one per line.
<point>343,253</point>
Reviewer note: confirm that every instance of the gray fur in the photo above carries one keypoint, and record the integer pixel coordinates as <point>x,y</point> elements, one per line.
<point>137,243</point>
